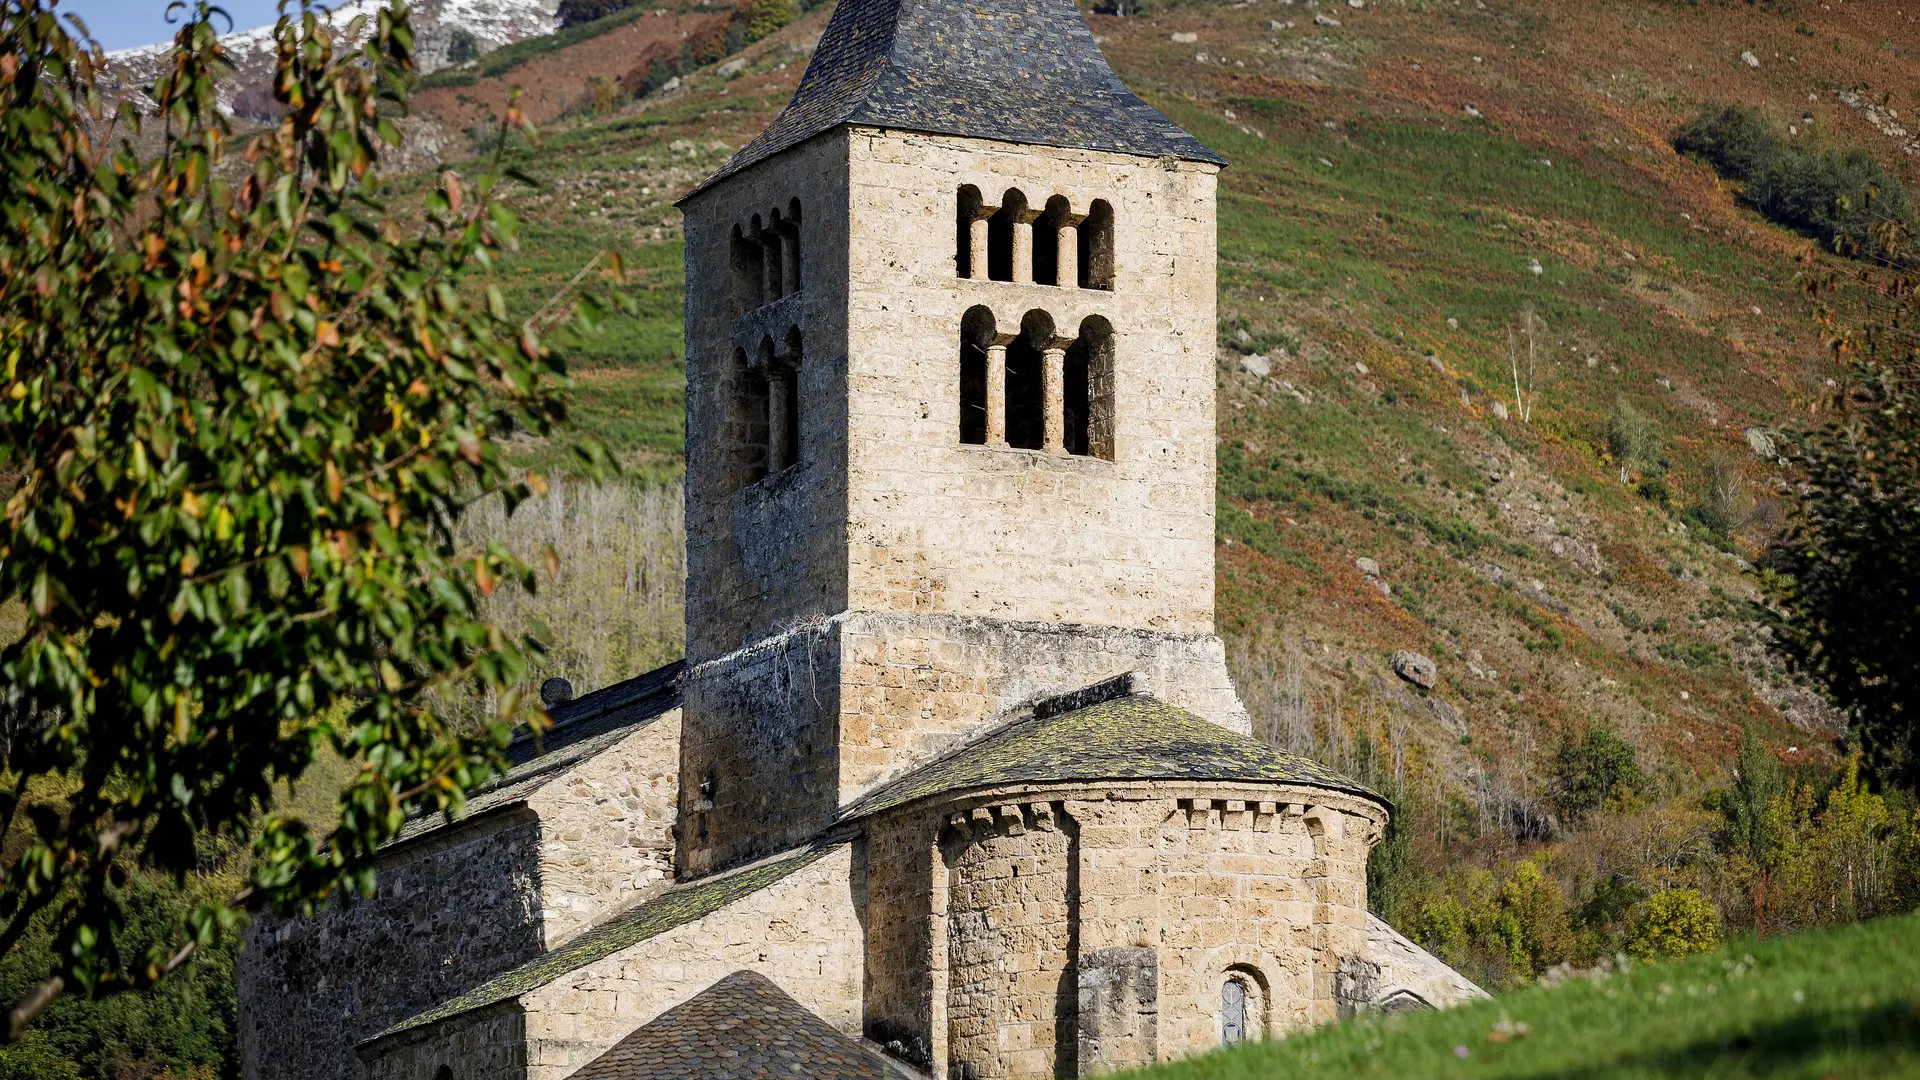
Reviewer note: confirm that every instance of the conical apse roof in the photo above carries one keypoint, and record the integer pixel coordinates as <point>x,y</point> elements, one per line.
<point>1020,71</point>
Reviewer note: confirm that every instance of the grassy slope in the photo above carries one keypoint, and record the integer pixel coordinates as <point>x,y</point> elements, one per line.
<point>1841,1003</point>
<point>1369,223</point>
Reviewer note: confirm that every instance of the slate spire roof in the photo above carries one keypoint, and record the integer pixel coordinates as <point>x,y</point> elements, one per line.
<point>740,1028</point>
<point>1021,71</point>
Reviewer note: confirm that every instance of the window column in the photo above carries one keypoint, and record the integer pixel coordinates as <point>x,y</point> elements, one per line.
<point>1053,386</point>
<point>977,246</point>
<point>1023,248</point>
<point>997,393</point>
<point>1067,242</point>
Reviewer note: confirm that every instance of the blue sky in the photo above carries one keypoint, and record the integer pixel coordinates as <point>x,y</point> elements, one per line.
<point>120,24</point>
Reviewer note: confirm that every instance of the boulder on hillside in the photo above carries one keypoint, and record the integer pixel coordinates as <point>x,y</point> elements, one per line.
<point>1415,668</point>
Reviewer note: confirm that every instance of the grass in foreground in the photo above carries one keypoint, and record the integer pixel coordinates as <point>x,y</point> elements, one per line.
<point>1837,1003</point>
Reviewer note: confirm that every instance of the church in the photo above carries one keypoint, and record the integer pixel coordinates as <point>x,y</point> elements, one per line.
<point>953,781</point>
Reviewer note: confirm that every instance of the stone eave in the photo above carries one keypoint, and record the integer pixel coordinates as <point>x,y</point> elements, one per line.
<point>1134,737</point>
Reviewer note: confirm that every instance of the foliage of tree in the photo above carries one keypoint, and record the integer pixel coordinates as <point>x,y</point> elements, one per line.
<point>462,46</point>
<point>1589,771</point>
<point>34,1057</point>
<point>1633,440</point>
<point>1674,922</point>
<point>1839,197</point>
<point>183,1026</point>
<point>243,402</point>
<point>755,19</point>
<point>1847,570</point>
<point>1505,931</point>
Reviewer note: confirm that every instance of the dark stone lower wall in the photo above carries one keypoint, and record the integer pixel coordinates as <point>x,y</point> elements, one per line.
<point>447,915</point>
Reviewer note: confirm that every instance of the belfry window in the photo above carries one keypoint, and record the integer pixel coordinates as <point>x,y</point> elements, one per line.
<point>1010,240</point>
<point>764,259</point>
<point>1096,247</point>
<point>749,420</point>
<point>1035,389</point>
<point>744,260</point>
<point>1055,247</point>
<point>783,395</point>
<point>1026,407</point>
<point>1087,391</point>
<point>1019,243</point>
<point>970,234</point>
<point>978,425</point>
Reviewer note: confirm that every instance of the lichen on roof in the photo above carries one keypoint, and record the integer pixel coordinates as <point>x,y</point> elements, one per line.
<point>1128,738</point>
<point>1019,71</point>
<point>742,1027</point>
<point>675,907</point>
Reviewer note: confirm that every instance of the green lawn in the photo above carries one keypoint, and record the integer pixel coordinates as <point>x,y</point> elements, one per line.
<point>1831,1003</point>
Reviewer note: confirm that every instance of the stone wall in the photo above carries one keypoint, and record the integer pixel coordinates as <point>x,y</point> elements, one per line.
<point>809,720</point>
<point>1084,931</point>
<point>915,686</point>
<point>759,760</point>
<point>803,932</point>
<point>1011,994</point>
<point>451,911</point>
<point>459,905</point>
<point>770,553</point>
<point>606,828</point>
<point>486,1044</point>
<point>1027,535</point>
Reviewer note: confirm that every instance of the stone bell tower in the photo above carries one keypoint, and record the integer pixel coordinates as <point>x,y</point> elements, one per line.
<point>950,413</point>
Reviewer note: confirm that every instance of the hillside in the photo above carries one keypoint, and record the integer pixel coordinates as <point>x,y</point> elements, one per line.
<point>1835,1003</point>
<point>1428,203</point>
<point>480,25</point>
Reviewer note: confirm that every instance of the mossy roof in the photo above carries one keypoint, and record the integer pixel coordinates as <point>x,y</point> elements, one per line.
<point>650,918</point>
<point>1128,738</point>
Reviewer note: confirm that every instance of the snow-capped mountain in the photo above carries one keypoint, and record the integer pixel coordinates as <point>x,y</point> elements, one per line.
<point>437,25</point>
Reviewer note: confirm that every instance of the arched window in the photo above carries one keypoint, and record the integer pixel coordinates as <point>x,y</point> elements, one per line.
<point>969,234</point>
<point>769,237</point>
<point>1052,238</point>
<point>1243,1004</point>
<point>1233,1011</point>
<point>1096,247</point>
<point>1087,390</point>
<point>1005,230</point>
<point>744,261</point>
<point>783,391</point>
<point>749,420</point>
<point>1026,383</point>
<point>790,248</point>
<point>976,339</point>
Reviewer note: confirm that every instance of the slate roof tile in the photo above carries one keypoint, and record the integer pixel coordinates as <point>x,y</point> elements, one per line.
<point>741,1028</point>
<point>1019,71</point>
